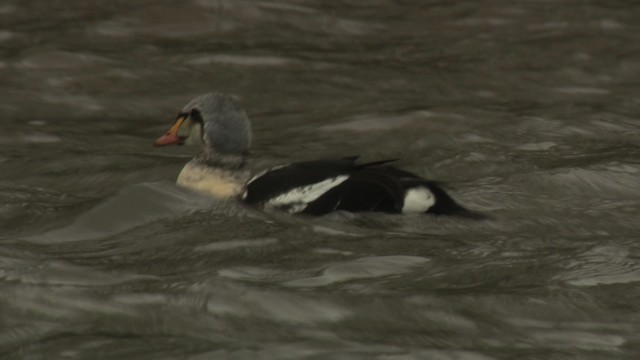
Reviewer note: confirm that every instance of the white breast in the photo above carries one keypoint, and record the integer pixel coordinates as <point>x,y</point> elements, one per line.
<point>219,183</point>
<point>296,199</point>
<point>418,199</point>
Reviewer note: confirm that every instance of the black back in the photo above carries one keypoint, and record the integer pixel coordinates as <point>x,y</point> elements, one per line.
<point>283,179</point>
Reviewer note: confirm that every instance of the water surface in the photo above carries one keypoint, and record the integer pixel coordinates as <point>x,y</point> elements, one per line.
<point>528,111</point>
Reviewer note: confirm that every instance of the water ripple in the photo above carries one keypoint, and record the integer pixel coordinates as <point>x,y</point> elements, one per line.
<point>362,268</point>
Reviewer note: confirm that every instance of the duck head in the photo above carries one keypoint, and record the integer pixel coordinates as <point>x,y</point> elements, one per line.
<point>214,121</point>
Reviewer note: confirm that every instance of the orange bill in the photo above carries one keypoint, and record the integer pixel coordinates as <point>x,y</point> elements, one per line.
<point>171,137</point>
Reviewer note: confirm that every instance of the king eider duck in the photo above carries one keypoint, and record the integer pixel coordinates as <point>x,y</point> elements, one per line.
<point>217,123</point>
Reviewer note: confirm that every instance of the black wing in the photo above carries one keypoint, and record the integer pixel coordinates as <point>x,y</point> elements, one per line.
<point>283,179</point>
<point>367,189</point>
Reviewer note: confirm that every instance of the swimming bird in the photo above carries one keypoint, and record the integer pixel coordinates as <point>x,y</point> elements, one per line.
<point>217,123</point>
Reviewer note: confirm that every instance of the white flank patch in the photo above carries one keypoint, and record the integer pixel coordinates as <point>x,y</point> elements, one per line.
<point>418,199</point>
<point>298,198</point>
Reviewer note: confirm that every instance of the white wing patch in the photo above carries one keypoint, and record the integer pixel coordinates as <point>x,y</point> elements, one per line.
<point>418,199</point>
<point>296,199</point>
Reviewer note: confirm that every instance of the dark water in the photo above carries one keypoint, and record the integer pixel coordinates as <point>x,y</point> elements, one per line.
<point>528,110</point>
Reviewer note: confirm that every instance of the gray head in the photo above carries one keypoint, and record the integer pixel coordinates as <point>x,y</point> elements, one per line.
<point>215,121</point>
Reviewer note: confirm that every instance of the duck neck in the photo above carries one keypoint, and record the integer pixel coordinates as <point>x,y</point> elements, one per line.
<point>212,159</point>
<point>220,175</point>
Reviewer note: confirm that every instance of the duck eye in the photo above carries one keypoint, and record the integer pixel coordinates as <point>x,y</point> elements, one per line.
<point>195,116</point>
